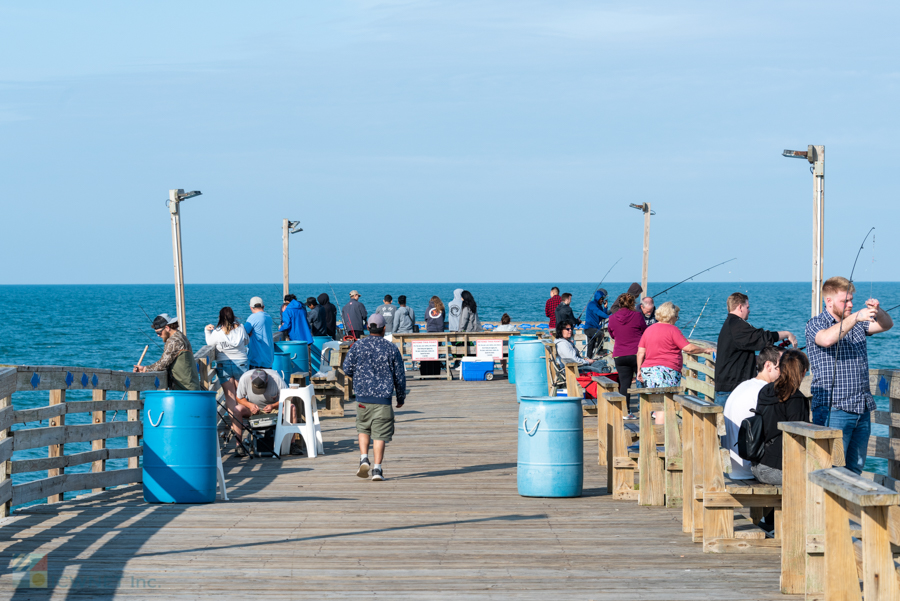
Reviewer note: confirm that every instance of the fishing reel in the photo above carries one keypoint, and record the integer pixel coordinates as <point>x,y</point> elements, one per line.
<point>784,344</point>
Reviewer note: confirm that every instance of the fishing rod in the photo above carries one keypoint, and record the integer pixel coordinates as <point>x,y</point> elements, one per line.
<point>699,316</point>
<point>343,320</point>
<point>603,279</point>
<point>837,350</point>
<point>693,276</point>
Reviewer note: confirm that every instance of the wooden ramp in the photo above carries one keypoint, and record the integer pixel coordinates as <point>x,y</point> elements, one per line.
<point>447,523</point>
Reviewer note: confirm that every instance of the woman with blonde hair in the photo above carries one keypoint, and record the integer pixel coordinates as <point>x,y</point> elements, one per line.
<point>659,359</point>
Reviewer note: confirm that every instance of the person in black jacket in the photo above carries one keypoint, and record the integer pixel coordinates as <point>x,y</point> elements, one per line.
<point>330,314</point>
<point>564,310</point>
<point>780,401</point>
<point>737,346</point>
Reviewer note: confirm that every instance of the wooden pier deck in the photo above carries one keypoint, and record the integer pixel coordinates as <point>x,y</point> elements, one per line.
<point>447,523</point>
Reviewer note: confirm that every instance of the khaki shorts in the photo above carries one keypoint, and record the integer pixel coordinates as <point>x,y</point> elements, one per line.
<point>375,420</point>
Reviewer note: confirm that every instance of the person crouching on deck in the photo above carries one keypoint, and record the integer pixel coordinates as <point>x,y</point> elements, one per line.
<point>376,367</point>
<point>177,358</point>
<point>257,391</point>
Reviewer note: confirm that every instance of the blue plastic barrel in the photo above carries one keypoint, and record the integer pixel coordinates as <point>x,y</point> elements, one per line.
<point>511,367</point>
<point>282,364</point>
<point>179,446</point>
<point>531,369</point>
<point>551,455</point>
<point>315,358</point>
<point>299,352</point>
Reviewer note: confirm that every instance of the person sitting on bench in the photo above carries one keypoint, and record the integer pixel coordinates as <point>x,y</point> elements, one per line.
<point>565,347</point>
<point>257,391</point>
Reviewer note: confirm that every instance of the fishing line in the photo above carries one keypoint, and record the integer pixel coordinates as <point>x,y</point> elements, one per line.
<point>693,276</point>
<point>603,279</point>
<point>837,349</point>
<point>699,316</point>
<point>143,333</point>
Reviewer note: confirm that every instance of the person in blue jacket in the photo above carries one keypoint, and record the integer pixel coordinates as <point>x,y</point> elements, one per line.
<point>293,320</point>
<point>594,315</point>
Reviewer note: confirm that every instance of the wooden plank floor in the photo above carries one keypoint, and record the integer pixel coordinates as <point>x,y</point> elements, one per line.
<point>447,523</point>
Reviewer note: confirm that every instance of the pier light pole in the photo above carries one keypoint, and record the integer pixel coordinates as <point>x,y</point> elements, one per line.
<point>287,228</point>
<point>176,197</point>
<point>815,155</point>
<point>647,213</point>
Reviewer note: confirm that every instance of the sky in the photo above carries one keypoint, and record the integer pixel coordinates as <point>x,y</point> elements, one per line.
<point>476,141</point>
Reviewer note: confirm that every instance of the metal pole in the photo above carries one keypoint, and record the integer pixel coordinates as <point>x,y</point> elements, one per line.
<point>644,270</point>
<point>176,252</point>
<point>286,254</point>
<point>816,156</point>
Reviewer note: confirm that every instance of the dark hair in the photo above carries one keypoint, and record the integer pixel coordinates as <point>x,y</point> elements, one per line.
<point>565,295</point>
<point>794,366</point>
<point>388,298</point>
<point>561,326</point>
<point>401,299</point>
<point>373,329</point>
<point>226,319</point>
<point>468,301</point>
<point>311,301</point>
<point>505,319</point>
<point>626,301</point>
<point>555,288</point>
<point>290,297</point>
<point>770,354</point>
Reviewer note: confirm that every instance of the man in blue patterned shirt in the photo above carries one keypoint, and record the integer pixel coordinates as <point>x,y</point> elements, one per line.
<point>838,356</point>
<point>377,369</point>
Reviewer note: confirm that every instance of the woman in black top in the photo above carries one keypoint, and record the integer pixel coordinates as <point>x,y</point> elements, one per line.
<point>780,401</point>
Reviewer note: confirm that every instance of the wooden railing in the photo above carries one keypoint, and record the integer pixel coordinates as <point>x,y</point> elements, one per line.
<point>58,381</point>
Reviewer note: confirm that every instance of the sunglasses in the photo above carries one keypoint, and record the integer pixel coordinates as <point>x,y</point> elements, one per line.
<point>158,332</point>
<point>567,329</point>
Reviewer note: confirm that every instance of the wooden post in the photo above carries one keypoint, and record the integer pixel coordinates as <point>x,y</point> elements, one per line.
<point>674,463</point>
<point>646,265</point>
<point>819,455</point>
<point>650,467</point>
<point>5,466</point>
<point>285,253</point>
<point>894,432</point>
<point>98,417</point>
<point>174,203</point>
<point>717,522</point>
<point>56,450</point>
<point>793,505</point>
<point>133,416</point>
<point>698,456</point>
<point>840,560</point>
<point>878,574</point>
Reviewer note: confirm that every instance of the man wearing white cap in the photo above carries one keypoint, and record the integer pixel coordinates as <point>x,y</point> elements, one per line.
<point>261,350</point>
<point>354,316</point>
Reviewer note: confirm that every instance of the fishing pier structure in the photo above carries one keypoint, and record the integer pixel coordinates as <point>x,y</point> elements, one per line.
<point>658,520</point>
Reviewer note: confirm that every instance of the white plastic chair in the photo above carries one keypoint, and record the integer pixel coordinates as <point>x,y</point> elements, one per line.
<point>310,431</point>
<point>325,368</point>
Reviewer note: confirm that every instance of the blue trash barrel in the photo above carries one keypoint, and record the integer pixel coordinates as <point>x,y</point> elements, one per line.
<point>551,455</point>
<point>511,364</point>
<point>299,352</point>
<point>315,358</point>
<point>531,369</point>
<point>282,365</point>
<point>179,446</point>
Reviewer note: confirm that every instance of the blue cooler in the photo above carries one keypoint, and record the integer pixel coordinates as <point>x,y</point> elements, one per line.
<point>474,370</point>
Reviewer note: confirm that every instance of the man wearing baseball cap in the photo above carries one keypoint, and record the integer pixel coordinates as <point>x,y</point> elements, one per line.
<point>376,367</point>
<point>177,358</point>
<point>261,350</point>
<point>257,391</point>
<point>354,316</point>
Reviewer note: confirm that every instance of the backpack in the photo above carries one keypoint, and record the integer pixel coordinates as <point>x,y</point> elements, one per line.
<point>751,442</point>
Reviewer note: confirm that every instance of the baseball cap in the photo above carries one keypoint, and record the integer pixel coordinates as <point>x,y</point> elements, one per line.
<point>375,319</point>
<point>162,320</point>
<point>355,293</point>
<point>256,301</point>
<point>259,380</point>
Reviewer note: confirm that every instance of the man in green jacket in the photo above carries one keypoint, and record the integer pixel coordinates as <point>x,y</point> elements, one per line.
<point>177,358</point>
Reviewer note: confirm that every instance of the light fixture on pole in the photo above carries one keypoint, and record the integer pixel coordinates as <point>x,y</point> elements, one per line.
<point>287,228</point>
<point>647,213</point>
<point>176,197</point>
<point>815,155</point>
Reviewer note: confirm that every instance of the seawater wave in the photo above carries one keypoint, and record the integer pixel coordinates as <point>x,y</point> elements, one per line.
<point>104,326</point>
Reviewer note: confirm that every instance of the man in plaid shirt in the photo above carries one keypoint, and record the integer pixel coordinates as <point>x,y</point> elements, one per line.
<point>836,344</point>
<point>551,305</point>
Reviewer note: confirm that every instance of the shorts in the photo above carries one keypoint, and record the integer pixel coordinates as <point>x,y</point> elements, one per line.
<point>226,368</point>
<point>375,420</point>
<point>660,376</point>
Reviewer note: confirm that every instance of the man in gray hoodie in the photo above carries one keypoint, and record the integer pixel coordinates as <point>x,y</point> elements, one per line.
<point>454,309</point>
<point>354,316</point>
<point>404,318</point>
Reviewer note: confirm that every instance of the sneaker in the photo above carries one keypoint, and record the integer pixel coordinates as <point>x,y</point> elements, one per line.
<point>363,471</point>
<point>376,475</point>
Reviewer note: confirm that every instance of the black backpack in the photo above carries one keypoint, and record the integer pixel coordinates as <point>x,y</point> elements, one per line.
<point>751,442</point>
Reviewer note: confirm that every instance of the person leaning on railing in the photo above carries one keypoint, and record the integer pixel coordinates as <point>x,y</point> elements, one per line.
<point>177,358</point>
<point>659,360</point>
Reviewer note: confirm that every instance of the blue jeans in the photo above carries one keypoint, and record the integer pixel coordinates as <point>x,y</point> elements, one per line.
<point>721,397</point>
<point>856,428</point>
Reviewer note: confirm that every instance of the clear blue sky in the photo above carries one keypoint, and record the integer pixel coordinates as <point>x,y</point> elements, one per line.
<point>444,141</point>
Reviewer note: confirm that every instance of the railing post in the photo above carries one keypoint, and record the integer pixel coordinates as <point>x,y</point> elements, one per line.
<point>56,450</point>
<point>98,417</point>
<point>133,416</point>
<point>5,466</point>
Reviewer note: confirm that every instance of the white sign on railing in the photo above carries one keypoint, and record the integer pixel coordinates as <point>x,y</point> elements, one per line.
<point>489,350</point>
<point>424,350</point>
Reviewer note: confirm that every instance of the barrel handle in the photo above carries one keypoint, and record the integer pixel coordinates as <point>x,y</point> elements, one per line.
<point>293,357</point>
<point>533,430</point>
<point>150,417</point>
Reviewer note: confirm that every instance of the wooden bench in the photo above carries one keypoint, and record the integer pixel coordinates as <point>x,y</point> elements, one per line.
<point>604,384</point>
<point>333,392</point>
<point>659,470</point>
<point>620,468</point>
<point>869,559</point>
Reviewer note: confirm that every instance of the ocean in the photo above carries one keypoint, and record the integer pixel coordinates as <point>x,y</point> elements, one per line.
<point>105,326</point>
